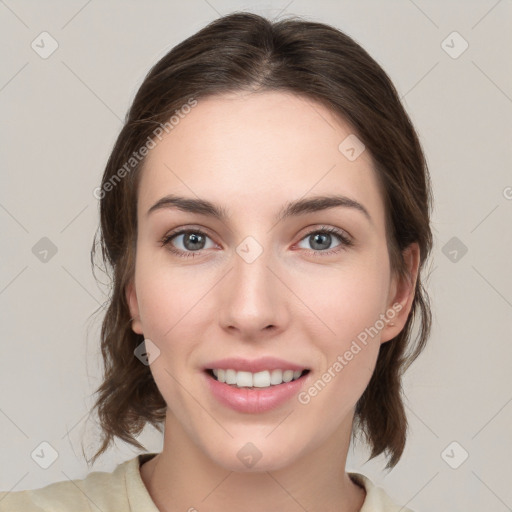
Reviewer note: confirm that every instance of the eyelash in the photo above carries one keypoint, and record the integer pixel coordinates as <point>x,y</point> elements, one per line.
<point>345,241</point>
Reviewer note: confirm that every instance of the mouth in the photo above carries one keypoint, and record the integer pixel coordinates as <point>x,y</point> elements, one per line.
<point>255,381</point>
<point>256,392</point>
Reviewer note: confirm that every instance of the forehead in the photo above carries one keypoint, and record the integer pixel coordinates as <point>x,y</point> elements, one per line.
<point>253,152</point>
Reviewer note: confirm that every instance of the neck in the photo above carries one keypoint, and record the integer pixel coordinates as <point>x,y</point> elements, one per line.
<point>183,477</point>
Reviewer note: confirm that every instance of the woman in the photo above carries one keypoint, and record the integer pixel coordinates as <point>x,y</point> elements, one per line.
<point>265,216</point>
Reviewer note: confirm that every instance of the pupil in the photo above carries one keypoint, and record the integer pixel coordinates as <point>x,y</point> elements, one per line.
<point>193,238</point>
<point>320,236</point>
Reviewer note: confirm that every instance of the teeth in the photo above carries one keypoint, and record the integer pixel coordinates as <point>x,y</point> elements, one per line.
<point>230,377</point>
<point>288,375</point>
<point>276,377</point>
<point>262,379</point>
<point>244,379</point>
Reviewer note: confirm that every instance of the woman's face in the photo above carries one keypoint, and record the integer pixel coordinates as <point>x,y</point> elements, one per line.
<point>254,285</point>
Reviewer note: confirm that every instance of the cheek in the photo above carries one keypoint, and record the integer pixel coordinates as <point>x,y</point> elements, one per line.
<point>168,299</point>
<point>347,306</point>
<point>174,307</point>
<point>350,354</point>
<point>343,302</point>
<point>169,308</point>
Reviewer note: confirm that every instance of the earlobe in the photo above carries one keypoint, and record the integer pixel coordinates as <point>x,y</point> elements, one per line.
<point>402,293</point>
<point>131,299</point>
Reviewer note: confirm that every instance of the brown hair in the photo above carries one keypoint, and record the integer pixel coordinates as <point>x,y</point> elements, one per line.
<point>244,51</point>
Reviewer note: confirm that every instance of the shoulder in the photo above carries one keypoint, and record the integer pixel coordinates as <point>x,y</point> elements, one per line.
<point>376,498</point>
<point>98,491</point>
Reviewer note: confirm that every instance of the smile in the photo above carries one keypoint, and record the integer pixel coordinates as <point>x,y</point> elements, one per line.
<point>263,379</point>
<point>255,393</point>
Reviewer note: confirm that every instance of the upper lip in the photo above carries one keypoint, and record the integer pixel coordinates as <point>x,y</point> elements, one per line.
<point>253,365</point>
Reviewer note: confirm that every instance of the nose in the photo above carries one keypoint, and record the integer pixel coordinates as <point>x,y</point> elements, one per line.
<point>253,301</point>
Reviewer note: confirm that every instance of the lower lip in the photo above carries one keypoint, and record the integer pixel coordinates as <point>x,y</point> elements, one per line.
<point>256,400</point>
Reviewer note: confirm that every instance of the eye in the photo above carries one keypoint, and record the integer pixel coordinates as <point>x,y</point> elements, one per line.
<point>195,241</point>
<point>190,240</point>
<point>322,238</point>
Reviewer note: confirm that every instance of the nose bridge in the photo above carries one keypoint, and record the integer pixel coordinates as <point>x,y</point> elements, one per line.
<point>251,267</point>
<point>253,299</point>
<point>251,273</point>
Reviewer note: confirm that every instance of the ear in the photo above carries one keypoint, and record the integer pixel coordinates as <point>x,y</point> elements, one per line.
<point>401,294</point>
<point>131,299</point>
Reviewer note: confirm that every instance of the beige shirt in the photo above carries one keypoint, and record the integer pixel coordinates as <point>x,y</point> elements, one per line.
<point>123,490</point>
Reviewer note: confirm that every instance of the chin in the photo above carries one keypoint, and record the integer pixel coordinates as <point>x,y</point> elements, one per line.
<point>254,454</point>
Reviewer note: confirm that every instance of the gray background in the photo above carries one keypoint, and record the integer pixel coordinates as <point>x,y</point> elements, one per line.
<point>61,115</point>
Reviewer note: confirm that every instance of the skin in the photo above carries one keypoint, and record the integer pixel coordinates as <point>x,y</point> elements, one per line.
<point>252,153</point>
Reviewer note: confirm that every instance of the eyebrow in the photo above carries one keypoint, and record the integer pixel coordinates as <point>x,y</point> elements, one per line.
<point>291,209</point>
